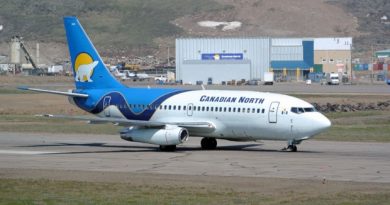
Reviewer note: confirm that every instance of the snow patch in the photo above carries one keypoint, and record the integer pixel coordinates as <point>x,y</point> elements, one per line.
<point>233,25</point>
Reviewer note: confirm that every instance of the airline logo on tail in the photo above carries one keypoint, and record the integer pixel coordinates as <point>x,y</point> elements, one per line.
<point>83,67</point>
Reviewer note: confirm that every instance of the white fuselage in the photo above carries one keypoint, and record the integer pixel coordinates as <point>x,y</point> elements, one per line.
<point>240,115</point>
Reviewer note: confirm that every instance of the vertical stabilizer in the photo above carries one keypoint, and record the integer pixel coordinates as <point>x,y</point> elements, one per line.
<point>88,67</point>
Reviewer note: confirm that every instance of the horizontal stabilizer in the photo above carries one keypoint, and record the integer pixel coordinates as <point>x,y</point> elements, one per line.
<point>55,92</point>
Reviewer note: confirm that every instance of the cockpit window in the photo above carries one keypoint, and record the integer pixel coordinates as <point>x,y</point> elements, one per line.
<point>310,109</point>
<point>299,110</point>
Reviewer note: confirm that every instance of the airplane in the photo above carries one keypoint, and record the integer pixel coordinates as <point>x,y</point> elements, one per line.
<point>167,117</point>
<point>120,75</point>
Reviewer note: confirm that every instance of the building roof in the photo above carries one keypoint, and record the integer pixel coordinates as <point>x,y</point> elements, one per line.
<point>383,51</point>
<point>344,43</point>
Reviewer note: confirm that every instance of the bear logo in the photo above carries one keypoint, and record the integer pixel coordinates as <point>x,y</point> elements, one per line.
<point>84,66</point>
<point>85,71</point>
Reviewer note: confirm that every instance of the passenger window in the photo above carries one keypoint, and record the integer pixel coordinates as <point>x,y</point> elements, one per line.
<point>184,107</point>
<point>243,110</point>
<point>253,110</point>
<point>189,107</point>
<point>230,109</point>
<point>207,109</point>
<point>224,109</point>
<point>169,107</point>
<point>263,110</point>
<point>174,107</point>
<point>179,107</point>
<point>234,109</point>
<point>212,109</point>
<point>165,107</point>
<point>248,110</point>
<point>198,108</point>
<point>220,109</point>
<point>203,108</point>
<point>238,109</point>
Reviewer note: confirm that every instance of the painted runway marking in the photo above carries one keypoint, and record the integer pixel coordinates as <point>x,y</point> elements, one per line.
<point>23,152</point>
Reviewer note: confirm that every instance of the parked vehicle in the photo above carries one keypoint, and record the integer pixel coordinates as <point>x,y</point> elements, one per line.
<point>268,78</point>
<point>332,78</point>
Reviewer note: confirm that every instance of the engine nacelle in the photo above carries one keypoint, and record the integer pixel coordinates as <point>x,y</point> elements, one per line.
<point>170,135</point>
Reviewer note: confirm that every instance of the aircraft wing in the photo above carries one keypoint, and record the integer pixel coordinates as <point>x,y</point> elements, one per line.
<point>55,92</point>
<point>205,126</point>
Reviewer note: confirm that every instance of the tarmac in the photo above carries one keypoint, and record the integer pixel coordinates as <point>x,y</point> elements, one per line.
<point>316,160</point>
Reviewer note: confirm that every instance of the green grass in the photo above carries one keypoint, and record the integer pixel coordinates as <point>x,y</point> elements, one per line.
<point>358,126</point>
<point>71,192</point>
<point>14,91</point>
<point>42,191</point>
<point>30,123</point>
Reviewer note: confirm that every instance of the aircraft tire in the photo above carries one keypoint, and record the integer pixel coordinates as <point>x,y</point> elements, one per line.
<point>167,148</point>
<point>208,143</point>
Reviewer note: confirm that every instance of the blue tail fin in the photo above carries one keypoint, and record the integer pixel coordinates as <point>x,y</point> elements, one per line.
<point>88,68</point>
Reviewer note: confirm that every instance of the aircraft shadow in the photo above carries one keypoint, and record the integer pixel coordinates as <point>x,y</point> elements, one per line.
<point>132,149</point>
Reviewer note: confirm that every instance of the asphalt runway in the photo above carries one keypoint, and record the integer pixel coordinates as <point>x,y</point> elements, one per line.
<point>339,161</point>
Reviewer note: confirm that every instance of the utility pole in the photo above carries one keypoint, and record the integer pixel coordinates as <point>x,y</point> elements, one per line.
<point>169,63</point>
<point>372,63</point>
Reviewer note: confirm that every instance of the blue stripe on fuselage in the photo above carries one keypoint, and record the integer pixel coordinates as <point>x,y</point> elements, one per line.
<point>123,97</point>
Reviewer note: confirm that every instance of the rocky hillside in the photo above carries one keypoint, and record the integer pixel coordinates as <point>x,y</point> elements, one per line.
<point>140,27</point>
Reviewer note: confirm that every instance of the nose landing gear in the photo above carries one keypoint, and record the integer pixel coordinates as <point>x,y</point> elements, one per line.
<point>292,145</point>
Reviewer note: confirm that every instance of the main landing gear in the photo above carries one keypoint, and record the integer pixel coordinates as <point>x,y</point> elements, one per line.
<point>167,148</point>
<point>208,143</point>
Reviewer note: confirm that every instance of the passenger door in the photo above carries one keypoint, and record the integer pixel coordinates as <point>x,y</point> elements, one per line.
<point>273,112</point>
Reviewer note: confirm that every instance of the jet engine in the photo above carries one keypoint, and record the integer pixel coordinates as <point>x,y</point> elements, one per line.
<point>170,135</point>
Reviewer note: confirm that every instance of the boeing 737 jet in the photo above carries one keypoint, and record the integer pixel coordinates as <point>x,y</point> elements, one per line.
<point>167,117</point>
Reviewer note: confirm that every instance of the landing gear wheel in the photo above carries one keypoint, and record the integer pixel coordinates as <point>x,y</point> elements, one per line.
<point>168,148</point>
<point>292,148</point>
<point>208,143</point>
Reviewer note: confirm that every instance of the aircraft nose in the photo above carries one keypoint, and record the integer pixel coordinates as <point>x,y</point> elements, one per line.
<point>322,123</point>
